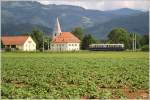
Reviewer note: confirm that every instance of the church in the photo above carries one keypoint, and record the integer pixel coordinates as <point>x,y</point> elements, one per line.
<point>63,41</point>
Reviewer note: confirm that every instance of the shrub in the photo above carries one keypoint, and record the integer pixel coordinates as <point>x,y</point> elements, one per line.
<point>7,49</point>
<point>145,48</point>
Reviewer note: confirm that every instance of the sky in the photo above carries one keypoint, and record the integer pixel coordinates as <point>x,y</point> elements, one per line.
<point>103,4</point>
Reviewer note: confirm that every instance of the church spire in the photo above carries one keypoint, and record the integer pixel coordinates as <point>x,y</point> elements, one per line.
<point>57,28</point>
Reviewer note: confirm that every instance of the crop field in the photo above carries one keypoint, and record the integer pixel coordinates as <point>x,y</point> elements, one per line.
<point>75,75</point>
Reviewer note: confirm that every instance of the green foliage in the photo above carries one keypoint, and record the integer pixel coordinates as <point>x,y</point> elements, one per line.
<point>145,40</point>
<point>79,32</point>
<point>138,41</point>
<point>119,35</point>
<point>72,75</point>
<point>47,40</point>
<point>7,49</point>
<point>145,48</point>
<point>87,40</point>
<point>37,36</point>
<point>2,45</point>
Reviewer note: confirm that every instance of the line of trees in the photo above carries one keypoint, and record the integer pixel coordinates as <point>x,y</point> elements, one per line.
<point>116,35</point>
<point>120,35</point>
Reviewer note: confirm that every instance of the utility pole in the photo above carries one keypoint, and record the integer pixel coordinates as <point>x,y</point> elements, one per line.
<point>43,43</point>
<point>134,42</point>
<point>48,44</point>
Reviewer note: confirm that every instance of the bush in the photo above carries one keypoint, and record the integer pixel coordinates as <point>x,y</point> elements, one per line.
<point>145,48</point>
<point>7,49</point>
<point>40,49</point>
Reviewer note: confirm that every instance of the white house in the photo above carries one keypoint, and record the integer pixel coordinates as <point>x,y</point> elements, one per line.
<point>23,43</point>
<point>64,41</point>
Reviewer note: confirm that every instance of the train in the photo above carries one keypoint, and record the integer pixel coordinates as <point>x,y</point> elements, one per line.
<point>106,47</point>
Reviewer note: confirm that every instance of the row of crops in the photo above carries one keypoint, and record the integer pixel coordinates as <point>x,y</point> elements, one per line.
<point>73,75</point>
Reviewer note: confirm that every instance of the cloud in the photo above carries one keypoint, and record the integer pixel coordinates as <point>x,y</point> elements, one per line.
<point>103,4</point>
<point>134,4</point>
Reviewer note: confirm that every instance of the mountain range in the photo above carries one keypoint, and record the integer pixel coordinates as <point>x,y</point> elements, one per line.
<point>18,17</point>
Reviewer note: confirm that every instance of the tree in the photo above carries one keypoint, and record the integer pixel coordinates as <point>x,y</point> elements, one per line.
<point>145,43</point>
<point>119,35</point>
<point>87,40</point>
<point>78,32</point>
<point>145,39</point>
<point>47,40</point>
<point>145,48</point>
<point>2,45</point>
<point>37,36</point>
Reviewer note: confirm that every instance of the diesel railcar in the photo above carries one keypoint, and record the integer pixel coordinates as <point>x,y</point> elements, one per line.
<point>106,47</point>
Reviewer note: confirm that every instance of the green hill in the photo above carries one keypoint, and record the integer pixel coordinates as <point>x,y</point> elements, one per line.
<point>138,23</point>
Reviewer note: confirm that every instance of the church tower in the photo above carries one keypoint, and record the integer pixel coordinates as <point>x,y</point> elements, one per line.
<point>57,29</point>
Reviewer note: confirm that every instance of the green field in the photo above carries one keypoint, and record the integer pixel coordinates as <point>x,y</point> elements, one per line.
<point>74,75</point>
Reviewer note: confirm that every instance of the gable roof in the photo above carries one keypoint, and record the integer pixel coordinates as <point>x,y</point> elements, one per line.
<point>65,37</point>
<point>14,40</point>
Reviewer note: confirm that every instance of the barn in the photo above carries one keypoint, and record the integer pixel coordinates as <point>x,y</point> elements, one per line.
<point>23,43</point>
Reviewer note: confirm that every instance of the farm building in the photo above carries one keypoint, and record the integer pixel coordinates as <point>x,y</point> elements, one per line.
<point>23,43</point>
<point>64,41</point>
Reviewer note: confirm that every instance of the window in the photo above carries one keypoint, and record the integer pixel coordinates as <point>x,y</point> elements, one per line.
<point>69,44</point>
<point>7,45</point>
<point>29,41</point>
<point>72,44</point>
<point>13,46</point>
<point>75,44</point>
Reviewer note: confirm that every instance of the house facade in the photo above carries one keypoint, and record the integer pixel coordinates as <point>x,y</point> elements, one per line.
<point>23,43</point>
<point>63,41</point>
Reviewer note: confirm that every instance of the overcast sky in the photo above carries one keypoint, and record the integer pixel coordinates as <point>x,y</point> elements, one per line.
<point>103,4</point>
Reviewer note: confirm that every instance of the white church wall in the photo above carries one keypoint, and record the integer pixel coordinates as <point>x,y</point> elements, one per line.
<point>58,47</point>
<point>65,46</point>
<point>73,46</point>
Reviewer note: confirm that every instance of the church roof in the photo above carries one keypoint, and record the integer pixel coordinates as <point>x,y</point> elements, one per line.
<point>65,37</point>
<point>14,40</point>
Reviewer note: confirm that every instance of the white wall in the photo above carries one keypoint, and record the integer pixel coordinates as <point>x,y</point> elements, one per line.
<point>73,46</point>
<point>29,45</point>
<point>65,46</point>
<point>20,47</point>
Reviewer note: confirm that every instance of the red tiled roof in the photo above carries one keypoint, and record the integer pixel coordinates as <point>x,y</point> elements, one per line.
<point>14,40</point>
<point>65,37</point>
